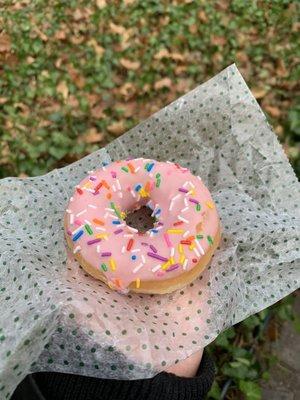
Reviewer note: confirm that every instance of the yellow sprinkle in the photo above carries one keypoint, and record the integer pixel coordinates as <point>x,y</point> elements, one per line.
<point>111,285</point>
<point>143,193</point>
<point>182,258</point>
<point>101,235</point>
<point>210,204</point>
<point>112,264</point>
<point>180,248</point>
<point>123,215</point>
<point>175,230</point>
<point>192,246</point>
<point>192,192</point>
<point>166,265</point>
<point>87,185</point>
<point>172,261</point>
<point>138,283</point>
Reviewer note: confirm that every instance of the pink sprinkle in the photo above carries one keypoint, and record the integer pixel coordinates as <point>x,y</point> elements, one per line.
<point>69,232</point>
<point>77,222</point>
<point>118,231</point>
<point>144,244</point>
<point>167,240</point>
<point>173,267</point>
<point>193,201</point>
<point>154,249</point>
<point>106,254</point>
<point>92,178</point>
<point>113,174</point>
<point>183,190</point>
<point>93,241</point>
<point>160,273</point>
<point>157,256</point>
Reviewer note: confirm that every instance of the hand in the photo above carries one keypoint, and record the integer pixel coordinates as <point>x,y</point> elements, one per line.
<point>187,368</point>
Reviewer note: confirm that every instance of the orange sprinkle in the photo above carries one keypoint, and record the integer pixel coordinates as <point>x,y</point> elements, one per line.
<point>80,191</point>
<point>98,221</point>
<point>108,196</point>
<point>137,283</point>
<point>131,167</point>
<point>147,187</point>
<point>210,204</point>
<point>190,238</point>
<point>129,244</point>
<point>118,282</point>
<point>105,184</point>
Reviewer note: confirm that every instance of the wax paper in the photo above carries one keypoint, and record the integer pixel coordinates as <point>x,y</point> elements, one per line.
<point>54,317</point>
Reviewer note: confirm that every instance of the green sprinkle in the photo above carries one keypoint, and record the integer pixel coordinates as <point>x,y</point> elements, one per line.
<point>125,169</point>
<point>157,183</point>
<point>210,239</point>
<point>104,267</point>
<point>157,175</point>
<point>199,236</point>
<point>198,207</point>
<point>88,229</point>
<point>146,166</point>
<point>112,204</point>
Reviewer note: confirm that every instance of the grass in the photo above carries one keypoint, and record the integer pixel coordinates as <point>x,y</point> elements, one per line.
<point>76,74</point>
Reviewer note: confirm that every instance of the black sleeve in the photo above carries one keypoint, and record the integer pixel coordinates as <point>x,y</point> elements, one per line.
<point>164,386</point>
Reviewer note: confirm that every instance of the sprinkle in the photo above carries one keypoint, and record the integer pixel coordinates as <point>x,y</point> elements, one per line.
<point>93,241</point>
<point>199,178</point>
<point>120,194</point>
<point>129,235</point>
<point>133,194</point>
<point>69,232</point>
<point>183,219</point>
<point>129,244</point>
<point>81,212</point>
<point>193,186</point>
<point>88,229</point>
<point>193,200</point>
<point>112,264</point>
<point>68,211</point>
<point>167,240</point>
<point>98,248</point>
<point>153,248</point>
<point>76,249</point>
<point>116,222</point>
<point>106,254</point>
<point>183,190</point>
<point>145,244</point>
<point>132,229</point>
<point>118,184</point>
<point>72,198</point>
<point>156,268</point>
<point>180,248</point>
<point>171,205</point>
<point>209,204</point>
<point>77,229</point>
<point>157,256</point>
<point>186,202</point>
<point>108,196</point>
<point>182,258</point>
<point>123,249</point>
<point>185,184</point>
<point>199,236</point>
<point>77,235</point>
<point>98,221</point>
<point>113,174</point>
<point>101,236</point>
<point>175,231</point>
<point>97,187</point>
<point>98,228</point>
<point>147,186</point>
<point>173,267</point>
<point>196,252</point>
<point>114,207</point>
<point>199,247</point>
<point>186,234</point>
<point>184,209</point>
<point>105,184</point>
<point>137,283</point>
<point>125,169</point>
<point>198,207</point>
<point>185,263</point>
<point>131,168</point>
<point>166,265</point>
<point>186,242</point>
<point>136,269</point>
<point>178,223</point>
<point>172,251</point>
<point>92,206</point>
<point>143,258</point>
<point>118,231</point>
<point>80,191</point>
<point>137,169</point>
<point>104,267</point>
<point>71,218</point>
<point>150,166</point>
<point>175,197</point>
<point>138,187</point>
<point>158,182</point>
<point>210,239</point>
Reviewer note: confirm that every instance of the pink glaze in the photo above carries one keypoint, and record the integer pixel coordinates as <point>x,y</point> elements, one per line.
<point>179,201</point>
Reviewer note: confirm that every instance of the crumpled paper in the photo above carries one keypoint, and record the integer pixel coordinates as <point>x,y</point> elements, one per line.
<point>54,317</point>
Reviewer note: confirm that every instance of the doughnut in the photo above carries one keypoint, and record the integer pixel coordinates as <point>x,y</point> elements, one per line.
<point>168,256</point>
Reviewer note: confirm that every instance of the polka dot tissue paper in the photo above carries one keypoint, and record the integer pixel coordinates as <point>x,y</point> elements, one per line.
<point>55,317</point>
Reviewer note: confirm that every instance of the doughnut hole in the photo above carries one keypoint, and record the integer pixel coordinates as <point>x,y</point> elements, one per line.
<point>140,219</point>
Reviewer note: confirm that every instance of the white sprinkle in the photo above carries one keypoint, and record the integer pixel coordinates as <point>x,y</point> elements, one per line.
<point>72,198</point>
<point>193,186</point>
<point>186,202</point>
<point>68,211</point>
<point>90,172</point>
<point>112,215</point>
<point>196,252</point>
<point>151,234</point>
<point>185,263</point>
<point>175,197</point>
<point>89,190</point>
<point>87,222</point>
<point>143,258</point>
<point>184,209</point>
<point>77,230</point>
<point>105,215</point>
<point>123,250</point>
<point>118,184</point>
<point>172,252</point>
<point>151,175</point>
<point>183,219</point>
<point>169,162</point>
<point>99,228</point>
<point>120,195</point>
<point>136,269</point>
<point>186,233</point>
<point>149,204</point>
<point>171,205</point>
<point>132,229</point>
<point>114,188</point>
<point>188,193</point>
<point>77,248</point>
<point>135,250</point>
<point>133,194</point>
<point>81,212</point>
<point>185,183</point>
<point>199,178</point>
<point>103,168</point>
<point>159,227</point>
<point>71,218</point>
<point>129,235</point>
<point>109,209</point>
<point>199,247</point>
<point>92,206</point>
<point>98,248</point>
<point>156,268</point>
<point>137,169</point>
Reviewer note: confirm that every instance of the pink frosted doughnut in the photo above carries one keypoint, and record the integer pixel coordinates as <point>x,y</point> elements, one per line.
<point>166,257</point>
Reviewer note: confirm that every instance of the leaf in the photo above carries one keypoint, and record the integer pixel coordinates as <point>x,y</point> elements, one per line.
<point>218,40</point>
<point>131,65</point>
<point>99,50</point>
<point>215,392</point>
<point>258,92</point>
<point>163,83</point>
<point>163,53</point>
<point>93,136</point>
<point>118,29</point>
<point>127,90</point>
<point>116,128</point>
<point>3,100</point>
<point>98,111</point>
<point>62,88</point>
<point>251,390</point>
<point>5,43</point>
<point>101,4</point>
<point>273,111</point>
<point>202,16</point>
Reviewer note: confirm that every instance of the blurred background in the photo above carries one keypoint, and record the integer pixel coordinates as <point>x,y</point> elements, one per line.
<point>74,75</point>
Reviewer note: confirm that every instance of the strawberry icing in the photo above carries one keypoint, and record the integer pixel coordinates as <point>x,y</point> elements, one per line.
<point>186,221</point>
